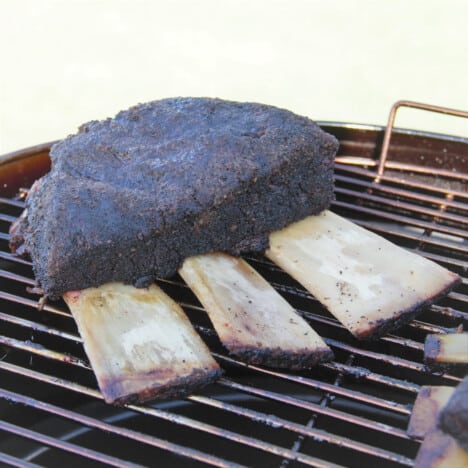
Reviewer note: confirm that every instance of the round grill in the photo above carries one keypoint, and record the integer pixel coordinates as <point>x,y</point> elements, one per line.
<point>352,411</point>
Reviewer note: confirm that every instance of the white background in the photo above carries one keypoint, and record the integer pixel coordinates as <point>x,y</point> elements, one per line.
<point>67,62</point>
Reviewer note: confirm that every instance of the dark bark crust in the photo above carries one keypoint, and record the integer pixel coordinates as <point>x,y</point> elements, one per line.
<point>129,198</point>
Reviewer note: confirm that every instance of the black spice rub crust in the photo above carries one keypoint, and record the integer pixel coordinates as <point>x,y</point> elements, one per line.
<point>129,198</point>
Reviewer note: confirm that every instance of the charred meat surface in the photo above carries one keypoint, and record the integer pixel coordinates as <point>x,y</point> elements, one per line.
<point>454,416</point>
<point>129,198</point>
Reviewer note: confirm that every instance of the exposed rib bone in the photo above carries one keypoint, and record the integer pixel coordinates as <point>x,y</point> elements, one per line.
<point>446,350</point>
<point>365,281</point>
<point>251,318</point>
<point>426,409</point>
<point>140,343</point>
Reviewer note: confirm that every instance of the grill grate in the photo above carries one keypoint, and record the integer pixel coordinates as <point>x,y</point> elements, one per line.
<point>351,411</point>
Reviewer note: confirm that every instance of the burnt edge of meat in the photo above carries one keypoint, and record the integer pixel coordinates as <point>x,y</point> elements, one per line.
<point>16,242</point>
<point>453,418</point>
<point>114,392</point>
<point>380,328</point>
<point>129,198</point>
<point>281,358</point>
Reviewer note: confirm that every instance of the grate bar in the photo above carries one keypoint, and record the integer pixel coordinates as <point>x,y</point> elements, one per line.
<point>352,370</point>
<point>62,444</point>
<point>34,304</point>
<point>39,350</point>
<point>429,328</point>
<point>418,238</point>
<point>441,258</point>
<point>14,258</point>
<point>325,401</point>
<point>404,342</point>
<point>398,166</point>
<point>406,221</point>
<point>309,406</point>
<point>4,236</point>
<point>39,327</point>
<point>35,375</point>
<point>286,453</point>
<point>160,414</point>
<point>182,419</point>
<point>9,460</point>
<point>14,277</point>
<point>322,386</point>
<point>116,430</point>
<point>7,218</point>
<point>403,205</point>
<point>397,180</point>
<point>458,297</point>
<point>362,373</point>
<point>12,202</point>
<point>316,434</point>
<point>392,360</point>
<point>444,201</point>
<point>232,436</point>
<point>449,312</point>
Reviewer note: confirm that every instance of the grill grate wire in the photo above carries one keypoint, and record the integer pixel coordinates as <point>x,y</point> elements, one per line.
<point>350,411</point>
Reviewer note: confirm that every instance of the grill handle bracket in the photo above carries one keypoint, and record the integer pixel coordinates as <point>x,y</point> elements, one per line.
<point>391,123</point>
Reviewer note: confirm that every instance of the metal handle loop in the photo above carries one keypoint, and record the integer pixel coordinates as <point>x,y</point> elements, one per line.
<point>391,122</point>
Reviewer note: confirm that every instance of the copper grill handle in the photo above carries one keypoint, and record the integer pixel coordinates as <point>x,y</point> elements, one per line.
<point>391,122</point>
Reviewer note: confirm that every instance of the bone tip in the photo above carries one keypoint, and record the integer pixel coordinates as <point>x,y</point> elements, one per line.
<point>283,359</point>
<point>114,392</point>
<point>379,328</point>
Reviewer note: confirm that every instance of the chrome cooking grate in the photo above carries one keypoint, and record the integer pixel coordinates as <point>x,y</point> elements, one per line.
<point>351,411</point>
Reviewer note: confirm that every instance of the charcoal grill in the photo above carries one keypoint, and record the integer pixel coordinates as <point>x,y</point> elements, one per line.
<point>352,411</point>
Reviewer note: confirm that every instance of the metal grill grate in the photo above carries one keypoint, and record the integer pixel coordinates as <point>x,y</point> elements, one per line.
<point>351,411</point>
